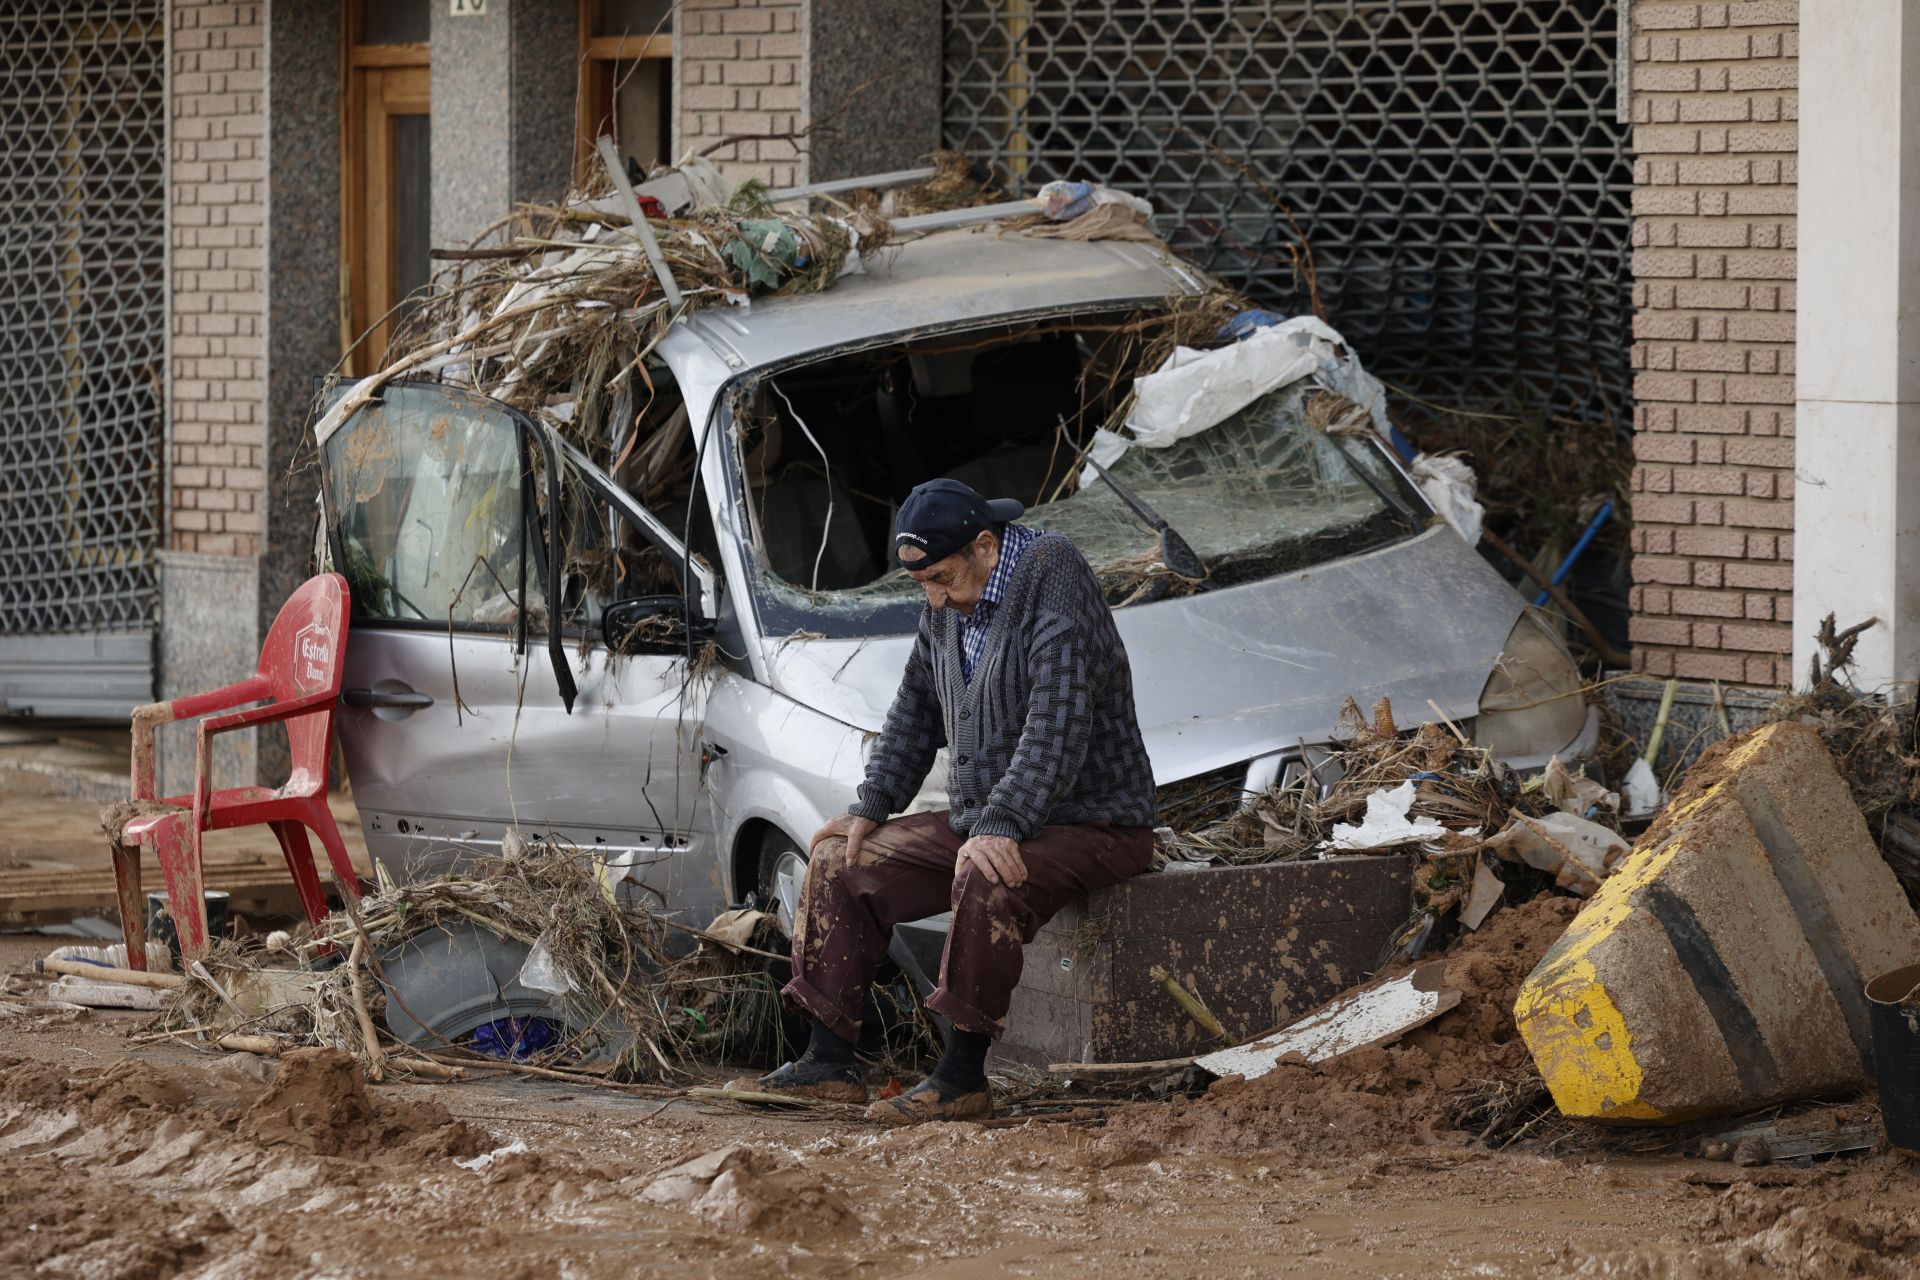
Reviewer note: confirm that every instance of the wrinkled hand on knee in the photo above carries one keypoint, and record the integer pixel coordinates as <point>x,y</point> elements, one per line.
<point>998,858</point>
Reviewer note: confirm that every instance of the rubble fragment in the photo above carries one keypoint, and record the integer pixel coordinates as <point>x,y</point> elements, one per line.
<point>1721,968</point>
<point>1578,854</point>
<point>1376,1014</point>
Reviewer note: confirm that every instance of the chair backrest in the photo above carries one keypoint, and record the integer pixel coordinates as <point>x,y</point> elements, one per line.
<point>305,653</point>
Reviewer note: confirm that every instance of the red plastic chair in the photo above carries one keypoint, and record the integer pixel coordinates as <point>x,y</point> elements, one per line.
<point>300,671</point>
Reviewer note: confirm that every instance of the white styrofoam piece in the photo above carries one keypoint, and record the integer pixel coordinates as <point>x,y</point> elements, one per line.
<point>107,995</point>
<point>1357,1020</point>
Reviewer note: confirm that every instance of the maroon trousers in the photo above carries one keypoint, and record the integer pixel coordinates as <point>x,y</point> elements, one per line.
<point>906,872</point>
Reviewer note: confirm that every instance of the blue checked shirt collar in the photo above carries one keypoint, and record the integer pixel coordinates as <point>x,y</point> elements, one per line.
<point>974,627</point>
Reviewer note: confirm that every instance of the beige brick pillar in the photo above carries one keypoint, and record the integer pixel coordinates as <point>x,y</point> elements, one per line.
<point>1715,148</point>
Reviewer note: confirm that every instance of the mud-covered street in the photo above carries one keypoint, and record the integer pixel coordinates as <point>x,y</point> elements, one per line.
<point>124,1159</point>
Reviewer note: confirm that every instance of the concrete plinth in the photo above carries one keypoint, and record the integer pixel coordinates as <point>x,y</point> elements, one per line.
<point>1262,945</point>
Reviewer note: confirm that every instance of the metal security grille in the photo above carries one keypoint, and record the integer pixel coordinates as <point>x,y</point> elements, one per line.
<point>82,325</point>
<point>1455,165</point>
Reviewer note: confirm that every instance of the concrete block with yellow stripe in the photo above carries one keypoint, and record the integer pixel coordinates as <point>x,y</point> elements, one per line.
<point>1721,967</point>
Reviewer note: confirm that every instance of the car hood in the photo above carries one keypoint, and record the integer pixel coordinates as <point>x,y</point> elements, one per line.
<point>1228,675</point>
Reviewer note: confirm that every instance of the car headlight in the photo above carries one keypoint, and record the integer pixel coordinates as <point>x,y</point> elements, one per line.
<point>1531,706</point>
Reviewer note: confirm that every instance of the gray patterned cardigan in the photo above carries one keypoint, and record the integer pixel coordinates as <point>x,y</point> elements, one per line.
<point>1045,734</point>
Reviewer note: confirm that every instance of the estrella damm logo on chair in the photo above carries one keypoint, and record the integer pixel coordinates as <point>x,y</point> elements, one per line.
<point>313,654</point>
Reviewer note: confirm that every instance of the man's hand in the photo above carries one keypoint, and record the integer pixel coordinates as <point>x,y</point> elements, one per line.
<point>998,858</point>
<point>854,829</point>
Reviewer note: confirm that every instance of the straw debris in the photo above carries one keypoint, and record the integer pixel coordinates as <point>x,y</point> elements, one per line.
<point>630,1000</point>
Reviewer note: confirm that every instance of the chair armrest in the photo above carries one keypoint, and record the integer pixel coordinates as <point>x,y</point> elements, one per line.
<point>214,725</point>
<point>252,689</point>
<point>266,715</point>
<point>147,718</point>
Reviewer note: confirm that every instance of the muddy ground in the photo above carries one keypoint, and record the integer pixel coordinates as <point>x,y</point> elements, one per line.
<point>145,1160</point>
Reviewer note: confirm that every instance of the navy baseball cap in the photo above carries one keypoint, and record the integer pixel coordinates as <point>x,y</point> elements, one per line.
<point>942,516</point>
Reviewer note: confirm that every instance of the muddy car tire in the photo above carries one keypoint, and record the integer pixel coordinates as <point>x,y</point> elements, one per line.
<point>783,869</point>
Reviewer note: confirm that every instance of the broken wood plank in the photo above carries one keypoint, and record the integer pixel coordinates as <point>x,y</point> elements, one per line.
<point>106,995</point>
<point>1372,1015</point>
<point>100,973</point>
<point>1793,1146</point>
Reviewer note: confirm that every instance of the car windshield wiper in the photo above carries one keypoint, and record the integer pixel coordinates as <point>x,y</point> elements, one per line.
<point>1380,491</point>
<point>1175,553</point>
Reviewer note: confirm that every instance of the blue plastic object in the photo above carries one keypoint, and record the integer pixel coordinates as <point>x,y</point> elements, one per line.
<point>1579,548</point>
<point>1068,200</point>
<point>514,1038</point>
<point>1250,322</point>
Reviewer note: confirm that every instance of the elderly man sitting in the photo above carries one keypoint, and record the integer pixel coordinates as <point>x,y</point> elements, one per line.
<point>1019,671</point>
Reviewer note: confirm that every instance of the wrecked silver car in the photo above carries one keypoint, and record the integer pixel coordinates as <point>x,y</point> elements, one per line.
<point>673,644</point>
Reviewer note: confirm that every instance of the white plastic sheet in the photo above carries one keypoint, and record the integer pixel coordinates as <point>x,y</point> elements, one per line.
<point>480,1162</point>
<point>1386,822</point>
<point>1194,390</point>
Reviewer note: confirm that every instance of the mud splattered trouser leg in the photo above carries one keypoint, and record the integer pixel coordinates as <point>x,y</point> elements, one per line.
<point>906,871</point>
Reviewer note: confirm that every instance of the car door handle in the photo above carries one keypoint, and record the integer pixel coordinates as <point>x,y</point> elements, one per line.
<point>410,699</point>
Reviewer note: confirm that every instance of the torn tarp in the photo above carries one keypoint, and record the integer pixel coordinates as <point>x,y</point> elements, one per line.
<point>1194,390</point>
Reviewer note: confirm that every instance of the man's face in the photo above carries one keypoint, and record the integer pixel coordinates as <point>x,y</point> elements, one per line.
<point>957,581</point>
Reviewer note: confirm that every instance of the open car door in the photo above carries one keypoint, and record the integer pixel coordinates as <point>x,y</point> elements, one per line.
<point>469,710</point>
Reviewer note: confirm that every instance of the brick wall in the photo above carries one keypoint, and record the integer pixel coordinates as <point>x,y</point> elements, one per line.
<point>1714,108</point>
<point>217,206</point>
<point>741,71</point>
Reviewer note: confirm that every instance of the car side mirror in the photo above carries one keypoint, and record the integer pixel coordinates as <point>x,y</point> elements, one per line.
<point>650,624</point>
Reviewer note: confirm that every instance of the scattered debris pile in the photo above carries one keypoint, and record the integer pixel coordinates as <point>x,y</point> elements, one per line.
<point>600,989</point>
<point>1875,741</point>
<point>1429,792</point>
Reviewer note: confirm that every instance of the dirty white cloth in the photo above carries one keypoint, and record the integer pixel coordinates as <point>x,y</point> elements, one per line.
<point>1194,390</point>
<point>1386,822</point>
<point>1062,199</point>
<point>1448,485</point>
<point>1578,854</point>
<point>1640,790</point>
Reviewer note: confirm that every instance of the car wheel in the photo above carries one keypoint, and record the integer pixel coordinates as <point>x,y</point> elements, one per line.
<point>783,873</point>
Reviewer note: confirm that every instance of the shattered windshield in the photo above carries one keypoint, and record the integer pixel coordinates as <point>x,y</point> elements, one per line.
<point>425,485</point>
<point>828,452</point>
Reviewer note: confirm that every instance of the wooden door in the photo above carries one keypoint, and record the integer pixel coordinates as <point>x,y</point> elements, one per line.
<point>389,203</point>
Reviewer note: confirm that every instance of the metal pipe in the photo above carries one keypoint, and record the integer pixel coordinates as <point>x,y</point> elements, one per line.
<point>1579,548</point>
<point>897,178</point>
<point>966,217</point>
<point>618,172</point>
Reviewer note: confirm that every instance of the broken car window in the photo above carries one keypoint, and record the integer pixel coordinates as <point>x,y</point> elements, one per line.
<point>827,451</point>
<point>427,487</point>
